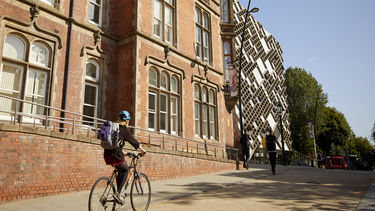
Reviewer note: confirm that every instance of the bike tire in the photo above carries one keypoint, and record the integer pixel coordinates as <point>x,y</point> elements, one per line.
<point>140,193</point>
<point>101,195</point>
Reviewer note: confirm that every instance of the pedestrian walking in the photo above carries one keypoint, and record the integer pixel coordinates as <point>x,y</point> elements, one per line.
<point>319,157</point>
<point>271,148</point>
<point>312,160</point>
<point>246,149</point>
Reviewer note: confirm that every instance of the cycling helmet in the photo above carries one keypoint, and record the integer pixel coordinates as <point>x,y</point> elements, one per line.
<point>124,115</point>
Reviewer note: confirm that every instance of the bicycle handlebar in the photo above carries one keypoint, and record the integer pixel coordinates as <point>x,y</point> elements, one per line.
<point>134,155</point>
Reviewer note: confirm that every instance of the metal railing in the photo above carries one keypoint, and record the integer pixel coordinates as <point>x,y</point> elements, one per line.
<point>82,125</point>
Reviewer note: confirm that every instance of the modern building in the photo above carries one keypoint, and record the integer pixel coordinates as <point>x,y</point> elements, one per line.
<point>162,60</point>
<point>262,84</point>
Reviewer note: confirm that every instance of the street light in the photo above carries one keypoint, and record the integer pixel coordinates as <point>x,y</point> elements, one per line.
<point>253,10</point>
<point>280,110</point>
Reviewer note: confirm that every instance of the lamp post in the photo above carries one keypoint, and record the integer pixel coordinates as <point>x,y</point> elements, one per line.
<point>280,110</point>
<point>253,10</point>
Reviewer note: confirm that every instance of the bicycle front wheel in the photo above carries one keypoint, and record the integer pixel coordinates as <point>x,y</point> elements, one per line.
<point>101,195</point>
<point>140,193</point>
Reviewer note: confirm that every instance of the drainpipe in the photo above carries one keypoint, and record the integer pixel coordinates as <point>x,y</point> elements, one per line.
<point>67,62</point>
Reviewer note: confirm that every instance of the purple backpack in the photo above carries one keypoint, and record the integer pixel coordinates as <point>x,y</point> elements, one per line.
<point>109,135</point>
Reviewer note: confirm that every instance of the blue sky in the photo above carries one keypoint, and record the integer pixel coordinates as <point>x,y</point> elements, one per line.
<point>334,40</point>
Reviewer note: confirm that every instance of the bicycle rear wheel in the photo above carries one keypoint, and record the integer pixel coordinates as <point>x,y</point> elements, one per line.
<point>140,193</point>
<point>101,195</point>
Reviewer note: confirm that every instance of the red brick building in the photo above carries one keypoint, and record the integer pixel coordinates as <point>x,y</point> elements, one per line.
<point>162,60</point>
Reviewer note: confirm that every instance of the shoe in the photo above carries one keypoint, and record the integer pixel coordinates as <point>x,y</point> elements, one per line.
<point>118,198</point>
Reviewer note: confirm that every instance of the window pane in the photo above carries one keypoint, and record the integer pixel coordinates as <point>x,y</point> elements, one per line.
<point>39,54</point>
<point>14,47</point>
<point>151,102</point>
<point>94,13</point>
<point>152,80</point>
<point>151,120</point>
<point>211,97</point>
<point>157,17</point>
<point>36,83</point>
<point>163,103</point>
<point>196,92</point>
<point>34,109</point>
<point>174,85</point>
<point>212,123</point>
<point>197,124</point>
<point>89,111</point>
<point>174,115</point>
<point>164,81</point>
<point>163,121</point>
<point>226,48</point>
<point>91,71</point>
<point>204,95</point>
<point>197,16</point>
<point>205,21</point>
<point>50,2</point>
<point>226,67</point>
<point>11,77</point>
<point>204,121</point>
<point>90,95</point>
<point>224,9</point>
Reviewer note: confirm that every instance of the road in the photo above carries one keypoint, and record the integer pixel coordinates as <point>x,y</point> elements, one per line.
<point>292,189</point>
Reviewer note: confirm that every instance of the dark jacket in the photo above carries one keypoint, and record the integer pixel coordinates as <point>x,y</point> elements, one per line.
<point>125,135</point>
<point>244,140</point>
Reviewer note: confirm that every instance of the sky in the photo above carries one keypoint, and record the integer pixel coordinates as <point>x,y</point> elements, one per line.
<point>334,40</point>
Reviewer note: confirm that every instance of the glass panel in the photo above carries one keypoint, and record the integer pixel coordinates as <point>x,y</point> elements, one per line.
<point>91,71</point>
<point>211,97</point>
<point>151,120</point>
<point>174,109</point>
<point>212,123</point>
<point>151,102</point>
<point>226,48</point>
<point>151,110</point>
<point>11,78</point>
<point>89,111</point>
<point>157,9</point>
<point>204,121</point>
<point>90,95</point>
<point>170,2</point>
<point>39,54</point>
<point>163,121</point>
<point>50,2</point>
<point>152,80</point>
<point>168,24</point>
<point>174,85</point>
<point>164,81</point>
<point>196,92</point>
<point>224,9</point>
<point>205,21</point>
<point>34,109</point>
<point>94,13</point>
<point>204,95</point>
<point>197,16</point>
<point>14,47</point>
<point>8,104</point>
<point>163,103</point>
<point>226,67</point>
<point>36,83</point>
<point>197,119</point>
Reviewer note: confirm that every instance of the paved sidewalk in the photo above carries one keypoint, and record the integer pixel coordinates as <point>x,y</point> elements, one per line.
<point>166,190</point>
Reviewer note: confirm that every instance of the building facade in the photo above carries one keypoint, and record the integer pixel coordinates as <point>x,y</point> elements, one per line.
<point>165,61</point>
<point>263,82</point>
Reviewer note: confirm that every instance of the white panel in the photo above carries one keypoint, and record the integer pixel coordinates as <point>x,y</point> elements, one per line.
<point>261,65</point>
<point>271,121</point>
<point>269,67</point>
<point>257,75</point>
<point>264,44</point>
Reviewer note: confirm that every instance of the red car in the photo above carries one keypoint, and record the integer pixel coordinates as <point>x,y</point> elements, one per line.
<point>336,162</point>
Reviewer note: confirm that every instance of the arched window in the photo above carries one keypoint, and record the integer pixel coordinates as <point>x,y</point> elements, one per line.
<point>39,54</point>
<point>205,112</point>
<point>163,102</point>
<point>28,76</point>
<point>14,47</point>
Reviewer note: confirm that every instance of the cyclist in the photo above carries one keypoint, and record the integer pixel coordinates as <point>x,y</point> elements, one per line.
<point>116,158</point>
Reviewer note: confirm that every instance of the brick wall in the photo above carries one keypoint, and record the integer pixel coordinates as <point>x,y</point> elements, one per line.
<point>33,165</point>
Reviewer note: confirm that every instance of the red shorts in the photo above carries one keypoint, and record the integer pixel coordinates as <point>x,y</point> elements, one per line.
<point>110,160</point>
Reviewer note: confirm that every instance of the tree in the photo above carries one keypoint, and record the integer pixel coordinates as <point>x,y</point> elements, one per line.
<point>305,99</point>
<point>334,129</point>
<point>373,134</point>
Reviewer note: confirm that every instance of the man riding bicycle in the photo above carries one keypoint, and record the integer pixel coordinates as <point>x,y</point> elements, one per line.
<point>116,158</point>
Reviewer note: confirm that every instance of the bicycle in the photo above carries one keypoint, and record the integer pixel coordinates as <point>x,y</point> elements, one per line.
<point>101,195</point>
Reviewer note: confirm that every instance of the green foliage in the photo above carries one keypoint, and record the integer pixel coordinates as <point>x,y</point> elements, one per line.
<point>305,99</point>
<point>334,129</point>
